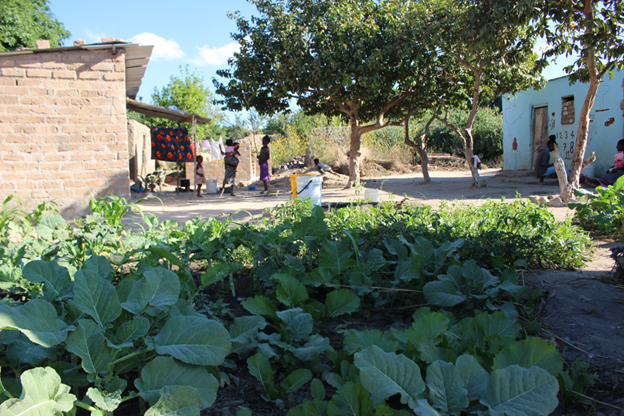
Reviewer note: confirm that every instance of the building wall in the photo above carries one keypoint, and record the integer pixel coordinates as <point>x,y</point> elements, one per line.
<point>140,150</point>
<point>63,131</point>
<point>248,169</point>
<point>606,127</point>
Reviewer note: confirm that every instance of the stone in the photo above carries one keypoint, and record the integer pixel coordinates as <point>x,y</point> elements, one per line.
<point>79,42</point>
<point>43,44</point>
<point>557,202</point>
<point>108,39</point>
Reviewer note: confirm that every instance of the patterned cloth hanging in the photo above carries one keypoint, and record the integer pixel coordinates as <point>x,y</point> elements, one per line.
<point>171,145</point>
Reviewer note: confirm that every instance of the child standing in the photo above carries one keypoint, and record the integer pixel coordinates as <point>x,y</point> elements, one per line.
<point>199,175</point>
<point>263,160</point>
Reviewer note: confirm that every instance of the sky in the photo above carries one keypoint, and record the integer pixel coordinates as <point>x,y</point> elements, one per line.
<point>193,32</point>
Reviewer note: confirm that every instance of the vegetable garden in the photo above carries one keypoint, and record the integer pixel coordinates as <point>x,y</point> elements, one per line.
<point>387,310</point>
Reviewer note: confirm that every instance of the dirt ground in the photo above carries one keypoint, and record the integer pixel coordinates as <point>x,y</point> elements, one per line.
<point>582,312</point>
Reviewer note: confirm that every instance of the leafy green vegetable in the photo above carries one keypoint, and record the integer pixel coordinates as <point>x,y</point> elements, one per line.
<point>43,395</point>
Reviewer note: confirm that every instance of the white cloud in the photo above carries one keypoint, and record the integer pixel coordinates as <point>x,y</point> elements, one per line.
<point>163,48</point>
<point>215,56</point>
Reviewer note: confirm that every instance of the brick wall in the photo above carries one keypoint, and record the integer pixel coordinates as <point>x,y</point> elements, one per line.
<point>140,150</point>
<point>63,130</point>
<point>567,111</point>
<point>248,168</point>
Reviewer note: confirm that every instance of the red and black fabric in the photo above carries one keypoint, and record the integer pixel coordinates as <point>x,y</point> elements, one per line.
<point>171,145</point>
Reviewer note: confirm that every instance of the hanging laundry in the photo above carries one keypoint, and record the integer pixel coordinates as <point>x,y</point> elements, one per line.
<point>171,145</point>
<point>206,145</point>
<point>215,149</point>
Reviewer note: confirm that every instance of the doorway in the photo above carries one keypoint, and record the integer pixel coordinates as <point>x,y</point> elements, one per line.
<point>540,129</point>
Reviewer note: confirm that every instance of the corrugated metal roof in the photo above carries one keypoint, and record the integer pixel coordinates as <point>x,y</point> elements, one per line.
<point>137,58</point>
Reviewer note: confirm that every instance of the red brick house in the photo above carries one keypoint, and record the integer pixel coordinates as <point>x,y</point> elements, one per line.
<point>63,127</point>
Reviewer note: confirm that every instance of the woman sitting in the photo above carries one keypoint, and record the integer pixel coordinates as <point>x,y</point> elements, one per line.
<point>614,171</point>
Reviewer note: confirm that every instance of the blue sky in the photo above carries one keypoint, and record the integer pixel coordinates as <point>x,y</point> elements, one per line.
<point>194,32</point>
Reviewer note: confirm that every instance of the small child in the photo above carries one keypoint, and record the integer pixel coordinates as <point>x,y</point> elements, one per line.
<point>199,175</point>
<point>618,159</point>
<point>476,161</point>
<point>323,168</point>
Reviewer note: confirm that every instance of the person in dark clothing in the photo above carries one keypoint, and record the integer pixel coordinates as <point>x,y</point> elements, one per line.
<point>540,164</point>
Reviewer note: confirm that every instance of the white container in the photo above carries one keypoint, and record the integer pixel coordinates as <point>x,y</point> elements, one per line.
<point>310,187</point>
<point>211,186</point>
<point>589,171</point>
<point>372,195</point>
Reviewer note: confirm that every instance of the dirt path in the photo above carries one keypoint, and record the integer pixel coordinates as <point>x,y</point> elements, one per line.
<point>583,315</point>
<point>450,186</point>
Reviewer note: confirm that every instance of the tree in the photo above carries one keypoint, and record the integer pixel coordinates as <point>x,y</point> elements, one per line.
<point>23,22</point>
<point>593,31</point>
<point>331,57</point>
<point>480,54</point>
<point>186,93</point>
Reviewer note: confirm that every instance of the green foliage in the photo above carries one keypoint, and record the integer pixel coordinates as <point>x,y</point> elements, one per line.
<point>23,22</point>
<point>112,312</point>
<point>602,212</point>
<point>186,92</point>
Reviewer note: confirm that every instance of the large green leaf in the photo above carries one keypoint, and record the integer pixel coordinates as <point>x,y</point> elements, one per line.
<point>23,351</point>
<point>318,277</point>
<point>100,265</point>
<point>300,327</point>
<point>315,346</point>
<point>9,276</point>
<point>485,325</point>
<point>177,401</point>
<point>48,224</point>
<point>96,297</point>
<point>443,293</point>
<point>296,380</point>
<point>530,352</point>
<point>43,395</point>
<point>37,320</point>
<point>166,254</point>
<point>351,400</point>
<point>356,341</point>
<point>517,391</point>
<point>290,291</point>
<point>157,287</point>
<point>55,278</point>
<point>336,256</point>
<point>341,302</point>
<point>423,408</point>
<point>474,376</point>
<point>260,305</point>
<point>194,340</point>
<point>386,374</point>
<point>430,326</point>
<point>446,388</point>
<point>260,367</point>
<point>407,269</point>
<point>130,331</point>
<point>166,371</point>
<point>88,343</point>
<point>244,330</point>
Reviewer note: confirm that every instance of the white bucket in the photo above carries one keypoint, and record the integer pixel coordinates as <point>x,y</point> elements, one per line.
<point>310,187</point>
<point>211,186</point>
<point>589,171</point>
<point>372,195</point>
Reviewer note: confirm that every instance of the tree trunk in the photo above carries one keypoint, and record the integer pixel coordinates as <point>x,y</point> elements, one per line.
<point>354,153</point>
<point>468,152</point>
<point>419,146</point>
<point>581,139</point>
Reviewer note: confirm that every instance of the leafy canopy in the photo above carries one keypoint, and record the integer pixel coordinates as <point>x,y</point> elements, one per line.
<point>23,22</point>
<point>186,92</point>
